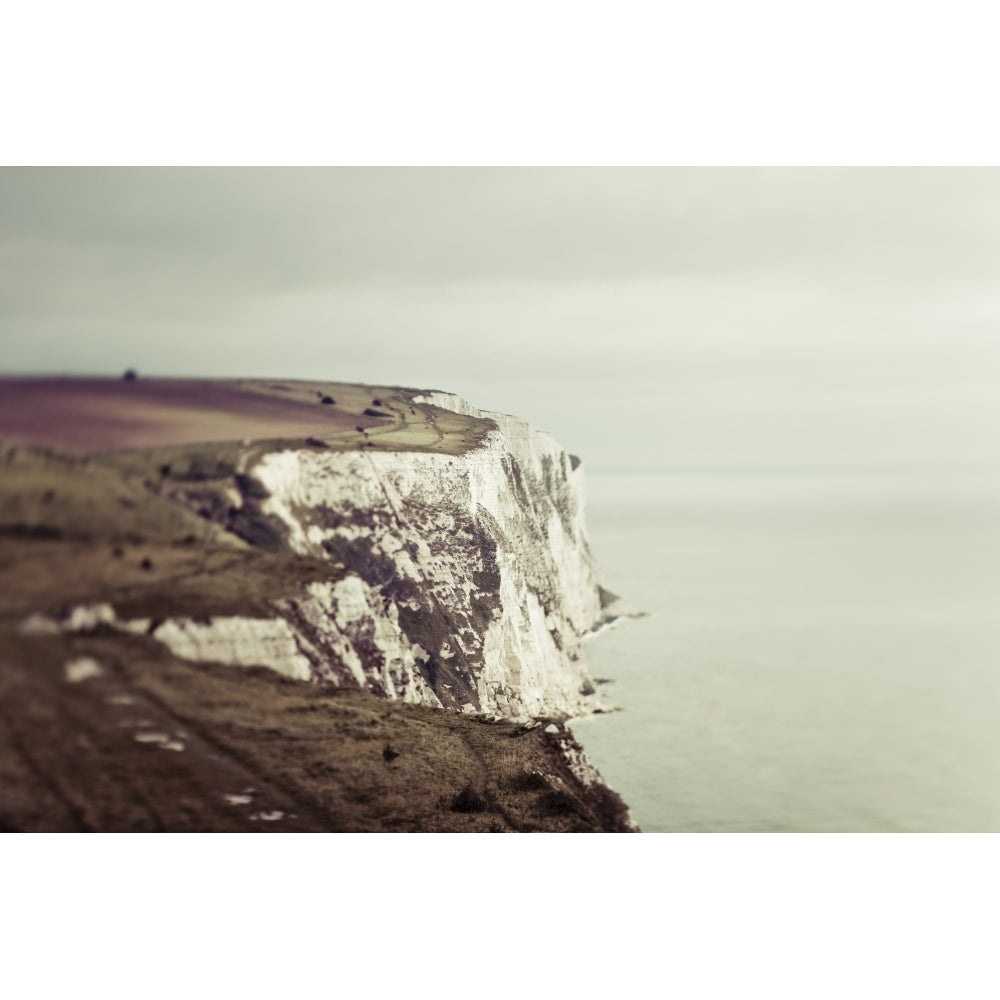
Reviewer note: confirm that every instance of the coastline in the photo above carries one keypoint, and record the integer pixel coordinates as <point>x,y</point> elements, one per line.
<point>205,575</point>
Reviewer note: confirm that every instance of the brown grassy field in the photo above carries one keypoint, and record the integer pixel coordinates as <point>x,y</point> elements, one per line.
<point>154,743</point>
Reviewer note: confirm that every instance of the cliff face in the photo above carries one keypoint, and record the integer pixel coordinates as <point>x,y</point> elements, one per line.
<point>393,554</point>
<point>466,580</point>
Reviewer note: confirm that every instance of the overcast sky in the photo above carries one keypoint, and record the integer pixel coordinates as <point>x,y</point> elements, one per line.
<point>653,319</point>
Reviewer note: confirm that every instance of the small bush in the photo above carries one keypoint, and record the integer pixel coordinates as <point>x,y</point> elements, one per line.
<point>557,803</point>
<point>469,800</point>
<point>530,781</point>
<point>250,488</point>
<point>260,530</point>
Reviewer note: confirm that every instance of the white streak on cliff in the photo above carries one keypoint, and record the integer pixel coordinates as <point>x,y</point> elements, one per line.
<point>82,668</point>
<point>240,641</point>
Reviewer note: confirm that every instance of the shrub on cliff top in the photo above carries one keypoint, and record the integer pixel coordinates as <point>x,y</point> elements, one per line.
<point>469,800</point>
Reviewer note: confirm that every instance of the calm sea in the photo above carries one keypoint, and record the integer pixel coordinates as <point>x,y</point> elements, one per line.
<point>821,652</point>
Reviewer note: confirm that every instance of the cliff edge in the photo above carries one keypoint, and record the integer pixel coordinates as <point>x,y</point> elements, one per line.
<point>408,548</point>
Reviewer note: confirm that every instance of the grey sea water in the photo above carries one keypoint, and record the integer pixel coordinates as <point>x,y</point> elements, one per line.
<point>822,652</point>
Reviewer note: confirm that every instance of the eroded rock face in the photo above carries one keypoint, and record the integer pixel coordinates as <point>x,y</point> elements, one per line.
<point>474,578</point>
<point>461,581</point>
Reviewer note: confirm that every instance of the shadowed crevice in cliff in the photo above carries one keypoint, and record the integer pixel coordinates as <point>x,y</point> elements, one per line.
<point>422,618</point>
<point>555,472</point>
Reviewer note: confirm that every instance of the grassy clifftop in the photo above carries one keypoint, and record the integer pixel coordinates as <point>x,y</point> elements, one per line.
<point>119,502</point>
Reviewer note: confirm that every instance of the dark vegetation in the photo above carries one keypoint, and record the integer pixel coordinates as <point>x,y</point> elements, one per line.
<point>469,800</point>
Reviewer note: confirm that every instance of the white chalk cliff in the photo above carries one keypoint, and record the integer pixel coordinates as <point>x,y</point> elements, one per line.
<point>458,580</point>
<point>470,580</point>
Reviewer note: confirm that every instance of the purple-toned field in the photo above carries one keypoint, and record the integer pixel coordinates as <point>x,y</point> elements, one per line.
<point>89,414</point>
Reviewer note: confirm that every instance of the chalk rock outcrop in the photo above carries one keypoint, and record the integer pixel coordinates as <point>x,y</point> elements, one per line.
<point>470,580</point>
<point>460,578</point>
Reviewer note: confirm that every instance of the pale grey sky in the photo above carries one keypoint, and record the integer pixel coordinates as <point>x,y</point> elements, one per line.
<point>652,319</point>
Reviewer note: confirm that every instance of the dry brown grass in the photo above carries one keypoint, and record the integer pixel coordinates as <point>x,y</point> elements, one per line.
<point>69,759</point>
